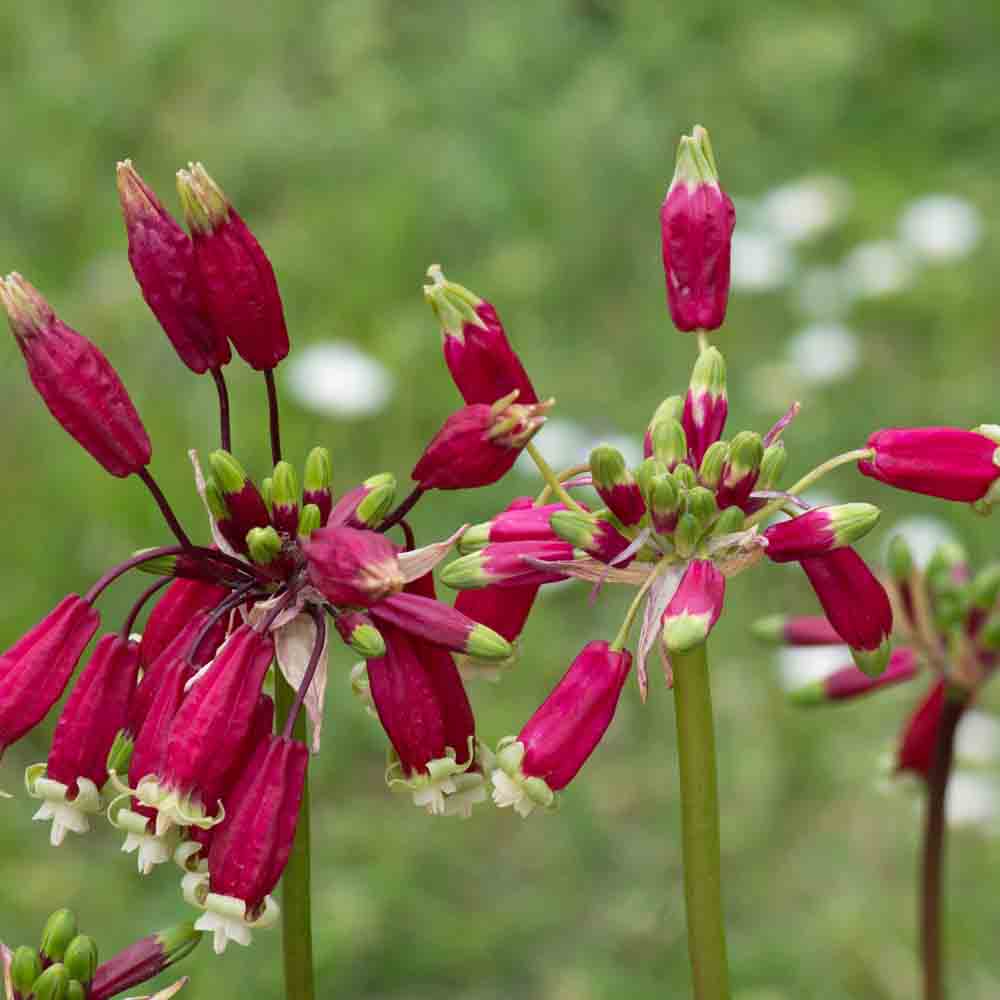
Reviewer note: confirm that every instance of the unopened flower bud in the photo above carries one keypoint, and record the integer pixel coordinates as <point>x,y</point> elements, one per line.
<point>712,464</point>
<point>670,444</point>
<point>616,485</point>
<point>52,984</point>
<point>478,444</point>
<point>243,501</point>
<point>236,279</point>
<point>358,632</point>
<point>507,564</point>
<point>264,545</point>
<point>310,520</point>
<point>143,960</point>
<point>285,498</point>
<point>349,566</point>
<point>696,224</point>
<point>728,522</point>
<point>686,535</point>
<point>476,350</point>
<point>318,480</point>
<point>75,990</point>
<point>81,959</point>
<point>986,586</point>
<point>701,503</point>
<point>849,682</point>
<point>740,473</point>
<point>515,524</point>
<point>76,381</point>
<point>695,607</point>
<point>664,500</point>
<point>918,744</point>
<point>25,968</point>
<point>772,466</point>
<point>646,473</point>
<point>818,531</point>
<point>804,630</point>
<point>706,405</point>
<point>944,462</point>
<point>162,259</point>
<point>597,537</point>
<point>57,933</point>
<point>366,505</point>
<point>685,476</point>
<point>672,408</point>
<point>947,568</point>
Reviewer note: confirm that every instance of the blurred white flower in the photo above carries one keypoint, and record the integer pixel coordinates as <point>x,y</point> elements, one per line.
<point>801,665</point>
<point>338,379</point>
<point>940,227</point>
<point>824,352</point>
<point>972,800</point>
<point>978,738</point>
<point>820,293</point>
<point>878,268</point>
<point>923,535</point>
<point>761,262</point>
<point>805,208</point>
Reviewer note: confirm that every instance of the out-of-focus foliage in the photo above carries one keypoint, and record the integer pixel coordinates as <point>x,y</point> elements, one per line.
<point>526,148</point>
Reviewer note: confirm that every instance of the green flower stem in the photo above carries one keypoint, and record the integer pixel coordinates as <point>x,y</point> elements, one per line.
<point>296,905</point>
<point>573,470</point>
<point>550,477</point>
<point>809,479</point>
<point>700,824</point>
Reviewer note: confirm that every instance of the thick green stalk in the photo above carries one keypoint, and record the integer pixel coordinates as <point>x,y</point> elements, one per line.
<point>296,903</point>
<point>700,824</point>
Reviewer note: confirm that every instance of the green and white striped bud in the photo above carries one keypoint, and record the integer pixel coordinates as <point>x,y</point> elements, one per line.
<point>81,959</point>
<point>701,503</point>
<point>685,476</point>
<point>310,520</point>
<point>772,466</point>
<point>52,984</point>
<point>264,545</point>
<point>59,930</point>
<point>669,443</point>
<point>686,535</point>
<point>710,470</point>
<point>25,968</point>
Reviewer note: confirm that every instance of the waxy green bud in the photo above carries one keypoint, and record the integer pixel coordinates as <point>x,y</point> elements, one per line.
<point>367,642</point>
<point>685,476</point>
<point>120,754</point>
<point>76,990</point>
<point>710,471</point>
<point>686,535</point>
<point>216,501</point>
<point>672,408</point>
<point>900,559</point>
<point>25,968</point>
<point>646,473</point>
<point>264,545</point>
<point>745,455</point>
<point>669,443</point>
<point>474,538</point>
<point>728,522</point>
<point>664,503</point>
<point>701,503</point>
<point>986,586</point>
<point>285,485</point>
<point>772,466</point>
<point>607,465</point>
<point>310,520</point>
<point>230,476</point>
<point>709,373</point>
<point>59,930</point>
<point>379,500</point>
<point>81,958</point>
<point>51,984</point>
<point>318,471</point>
<point>267,492</point>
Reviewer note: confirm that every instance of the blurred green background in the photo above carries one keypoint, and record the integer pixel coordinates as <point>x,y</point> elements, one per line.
<point>527,149</point>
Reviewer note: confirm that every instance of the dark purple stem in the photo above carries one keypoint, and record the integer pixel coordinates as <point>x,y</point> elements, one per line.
<point>272,409</point>
<point>116,571</point>
<point>314,657</point>
<point>224,607</point>
<point>282,605</point>
<point>411,541</point>
<point>225,430</point>
<point>140,603</point>
<point>402,510</point>
<point>161,501</point>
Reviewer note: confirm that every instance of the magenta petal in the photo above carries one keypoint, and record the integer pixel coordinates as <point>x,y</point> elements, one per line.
<point>503,609</point>
<point>850,682</point>
<point>919,738</point>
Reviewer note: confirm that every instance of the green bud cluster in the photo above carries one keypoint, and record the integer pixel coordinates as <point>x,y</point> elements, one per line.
<point>63,965</point>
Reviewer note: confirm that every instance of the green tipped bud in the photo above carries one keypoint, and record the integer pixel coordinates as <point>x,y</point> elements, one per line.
<point>264,545</point>
<point>872,661</point>
<point>664,502</point>
<point>81,958</point>
<point>989,634</point>
<point>745,455</point>
<point>686,535</point>
<point>728,522</point>
<point>205,206</point>
<point>770,629</point>
<point>367,642</point>
<point>466,573</point>
<point>453,304</point>
<point>684,632</point>
<point>672,408</point>
<point>485,644</point>
<point>986,586</point>
<point>852,521</point>
<point>76,991</point>
<point>25,968</point>
<point>59,930</point>
<point>285,485</point>
<point>379,500</point>
<point>713,463</point>
<point>809,695</point>
<point>650,469</point>
<point>229,474</point>
<point>709,374</point>
<point>992,431</point>
<point>701,503</point>
<point>669,442</point>
<point>474,538</point>
<point>177,942</point>
<point>607,465</point>
<point>217,505</point>
<point>685,476</point>
<point>575,527</point>
<point>52,983</point>
<point>772,466</point>
<point>120,754</point>
<point>695,160</point>
<point>900,559</point>
<point>267,493</point>
<point>160,566</point>
<point>947,557</point>
<point>318,472</point>
<point>310,520</point>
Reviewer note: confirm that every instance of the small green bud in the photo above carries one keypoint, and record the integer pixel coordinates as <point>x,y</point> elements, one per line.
<point>607,466</point>
<point>217,505</point>
<point>309,520</point>
<point>25,968</point>
<point>573,526</point>
<point>76,991</point>
<point>852,521</point>
<point>81,958</point>
<point>672,408</point>
<point>709,373</point>
<point>686,535</point>
<point>59,930</point>
<point>770,629</point>
<point>161,566</point>
<point>701,503</point>
<point>379,501</point>
<point>713,463</point>
<point>267,493</point>
<point>318,471</point>
<point>485,644</point>
<point>120,754</point>
<point>986,586</point>
<point>664,500</point>
<point>685,476</point>
<point>285,485</point>
<point>772,466</point>
<point>644,475</point>
<point>669,442</point>
<point>946,558</point>
<point>900,559</point>
<point>264,545</point>
<point>475,537</point>
<point>728,522</point>
<point>52,983</point>
<point>367,642</point>
<point>745,455</point>
<point>229,474</point>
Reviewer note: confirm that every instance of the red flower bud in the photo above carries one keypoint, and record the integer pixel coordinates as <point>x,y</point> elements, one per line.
<point>516,524</point>
<point>695,607</point>
<point>803,630</point>
<point>348,566</point>
<point>855,603</point>
<point>696,224</point>
<point>944,462</point>
<point>918,743</point>
<point>237,281</point>
<point>509,564</point>
<point>706,405</point>
<point>162,259</point>
<point>76,381</point>
<point>819,531</point>
<point>35,671</point>
<point>476,350</point>
<point>148,957</point>
<point>849,682</point>
<point>478,444</point>
<point>562,734</point>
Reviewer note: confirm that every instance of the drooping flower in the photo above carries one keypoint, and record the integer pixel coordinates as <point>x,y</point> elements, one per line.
<point>819,531</point>
<point>695,607</point>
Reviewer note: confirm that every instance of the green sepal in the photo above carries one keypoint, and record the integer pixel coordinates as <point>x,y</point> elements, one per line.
<point>485,644</point>
<point>230,476</point>
<point>702,504</point>
<point>160,566</point>
<point>465,573</point>
<point>81,958</point>
<point>745,454</point>
<point>59,930</point>
<point>178,942</point>
<point>51,984</point>
<point>669,442</point>
<point>852,521</point>
<point>729,522</point>
<point>608,468</point>
<point>712,464</point>
<point>285,485</point>
<point>454,304</point>
<point>672,408</point>
<point>872,662</point>
<point>686,535</point>
<point>685,631</point>
<point>695,163</point>
<point>709,374</point>
<point>120,754</point>
<point>25,968</point>
<point>664,497</point>
<point>216,502</point>
<point>772,466</point>
<point>367,642</point>
<point>310,520</point>
<point>379,500</point>
<point>474,538</point>
<point>574,526</point>
<point>685,476</point>
<point>318,471</point>
<point>646,473</point>
<point>264,545</point>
